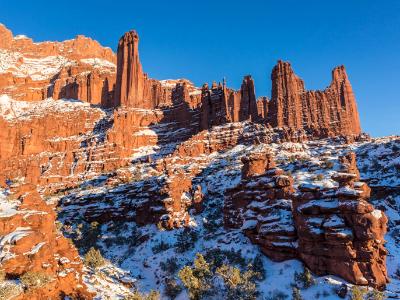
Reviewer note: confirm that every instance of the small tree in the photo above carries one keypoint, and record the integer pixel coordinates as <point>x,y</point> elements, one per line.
<point>304,279</point>
<point>94,259</point>
<point>186,240</point>
<point>197,279</point>
<point>296,295</point>
<point>358,293</point>
<point>32,280</point>
<point>239,285</point>
<point>172,288</point>
<point>376,295</point>
<point>153,295</point>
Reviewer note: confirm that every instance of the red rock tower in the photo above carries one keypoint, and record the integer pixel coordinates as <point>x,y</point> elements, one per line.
<point>130,78</point>
<point>330,112</point>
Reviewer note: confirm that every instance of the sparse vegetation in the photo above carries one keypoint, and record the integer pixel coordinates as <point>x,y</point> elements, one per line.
<point>32,280</point>
<point>376,295</point>
<point>197,279</point>
<point>94,259</point>
<point>239,285</point>
<point>170,266</point>
<point>9,291</point>
<point>358,293</point>
<point>160,247</point>
<point>328,164</point>
<point>186,240</point>
<point>304,279</point>
<point>153,295</point>
<point>172,288</point>
<point>296,295</point>
<point>2,275</point>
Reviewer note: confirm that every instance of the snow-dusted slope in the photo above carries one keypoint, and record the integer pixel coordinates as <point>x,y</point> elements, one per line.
<point>139,254</point>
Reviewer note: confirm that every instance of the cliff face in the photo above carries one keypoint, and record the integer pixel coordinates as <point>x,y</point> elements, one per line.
<point>330,112</point>
<point>333,230</point>
<point>77,69</point>
<point>30,242</point>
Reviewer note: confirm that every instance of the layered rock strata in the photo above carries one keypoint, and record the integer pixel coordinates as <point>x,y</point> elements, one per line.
<point>339,231</point>
<point>30,242</point>
<point>261,206</point>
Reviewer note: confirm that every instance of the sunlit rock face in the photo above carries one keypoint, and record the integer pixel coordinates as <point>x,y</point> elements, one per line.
<point>330,112</point>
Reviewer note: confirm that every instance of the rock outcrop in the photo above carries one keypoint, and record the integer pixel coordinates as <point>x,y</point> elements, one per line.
<point>332,230</point>
<point>339,231</point>
<point>261,206</point>
<point>77,69</point>
<point>30,242</point>
<point>331,112</point>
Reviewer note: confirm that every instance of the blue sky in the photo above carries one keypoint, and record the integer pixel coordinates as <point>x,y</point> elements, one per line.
<point>207,40</point>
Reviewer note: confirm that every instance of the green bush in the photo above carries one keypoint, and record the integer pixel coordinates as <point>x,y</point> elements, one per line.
<point>160,247</point>
<point>9,291</point>
<point>296,295</point>
<point>304,279</point>
<point>239,285</point>
<point>172,288</point>
<point>94,259</point>
<point>186,240</point>
<point>153,295</point>
<point>258,267</point>
<point>358,293</point>
<point>32,280</point>
<point>376,295</point>
<point>170,266</point>
<point>197,279</point>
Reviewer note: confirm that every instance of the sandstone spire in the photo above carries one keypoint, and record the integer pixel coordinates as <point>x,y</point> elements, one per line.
<point>330,112</point>
<point>130,78</point>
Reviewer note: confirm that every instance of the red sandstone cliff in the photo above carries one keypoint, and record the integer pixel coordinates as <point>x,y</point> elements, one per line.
<point>79,68</point>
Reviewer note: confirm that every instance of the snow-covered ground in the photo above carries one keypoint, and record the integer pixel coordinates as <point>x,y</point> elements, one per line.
<point>138,255</point>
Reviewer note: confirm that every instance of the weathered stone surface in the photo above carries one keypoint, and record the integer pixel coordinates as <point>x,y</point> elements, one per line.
<point>340,232</point>
<point>30,241</point>
<point>260,205</point>
<point>79,68</point>
<point>325,113</point>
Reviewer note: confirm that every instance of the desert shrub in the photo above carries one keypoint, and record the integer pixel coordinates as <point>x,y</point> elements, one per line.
<point>160,247</point>
<point>87,235</point>
<point>170,266</point>
<point>186,240</point>
<point>9,291</point>
<point>153,295</point>
<point>304,279</point>
<point>296,295</point>
<point>239,285</point>
<point>32,280</point>
<point>94,259</point>
<point>218,257</point>
<point>358,293</point>
<point>172,288</point>
<point>258,267</point>
<point>197,279</point>
<point>376,295</point>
